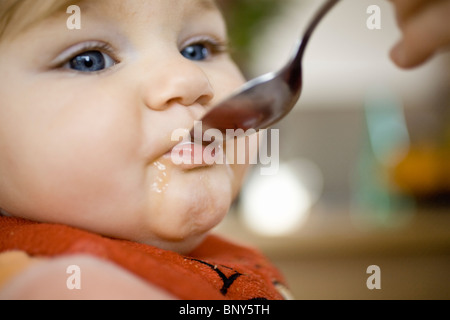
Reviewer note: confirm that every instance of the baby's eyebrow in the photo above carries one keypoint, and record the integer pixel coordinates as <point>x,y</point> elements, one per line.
<point>206,4</point>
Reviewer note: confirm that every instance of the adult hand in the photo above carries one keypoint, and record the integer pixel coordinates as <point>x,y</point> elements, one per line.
<point>425,25</point>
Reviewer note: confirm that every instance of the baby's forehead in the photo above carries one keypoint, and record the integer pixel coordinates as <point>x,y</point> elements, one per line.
<point>17,16</point>
<point>145,11</point>
<point>121,6</point>
<point>25,14</point>
<point>206,4</point>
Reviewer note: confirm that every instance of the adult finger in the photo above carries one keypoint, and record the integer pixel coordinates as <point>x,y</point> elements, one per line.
<point>423,35</point>
<point>404,9</point>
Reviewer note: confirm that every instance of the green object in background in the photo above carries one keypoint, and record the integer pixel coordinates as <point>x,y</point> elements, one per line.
<point>245,19</point>
<point>376,202</point>
<point>386,124</point>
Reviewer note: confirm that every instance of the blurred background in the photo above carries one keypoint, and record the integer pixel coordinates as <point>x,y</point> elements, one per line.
<point>364,173</point>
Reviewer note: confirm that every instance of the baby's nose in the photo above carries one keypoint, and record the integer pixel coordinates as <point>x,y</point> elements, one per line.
<point>183,82</point>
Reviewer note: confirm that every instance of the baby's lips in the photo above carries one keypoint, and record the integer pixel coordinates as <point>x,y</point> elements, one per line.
<point>188,155</point>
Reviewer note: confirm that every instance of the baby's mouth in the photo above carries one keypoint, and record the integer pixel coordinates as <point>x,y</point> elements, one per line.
<point>190,155</point>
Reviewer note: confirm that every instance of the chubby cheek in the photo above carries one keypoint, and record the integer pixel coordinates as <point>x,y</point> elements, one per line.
<point>240,154</point>
<point>239,171</point>
<point>225,79</point>
<point>77,167</point>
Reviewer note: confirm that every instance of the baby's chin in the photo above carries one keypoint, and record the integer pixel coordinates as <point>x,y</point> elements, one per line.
<point>191,203</point>
<point>184,246</point>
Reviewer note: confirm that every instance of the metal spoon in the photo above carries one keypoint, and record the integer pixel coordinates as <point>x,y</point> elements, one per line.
<point>265,100</point>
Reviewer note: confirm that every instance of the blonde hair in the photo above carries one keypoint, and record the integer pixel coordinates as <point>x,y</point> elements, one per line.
<point>18,15</point>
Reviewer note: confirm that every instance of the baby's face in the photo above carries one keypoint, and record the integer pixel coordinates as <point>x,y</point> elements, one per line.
<point>86,118</point>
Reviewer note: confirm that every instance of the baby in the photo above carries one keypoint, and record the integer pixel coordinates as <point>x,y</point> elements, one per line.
<point>87,180</point>
<point>86,117</point>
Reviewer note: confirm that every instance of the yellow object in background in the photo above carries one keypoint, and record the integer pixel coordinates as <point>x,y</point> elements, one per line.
<point>425,170</point>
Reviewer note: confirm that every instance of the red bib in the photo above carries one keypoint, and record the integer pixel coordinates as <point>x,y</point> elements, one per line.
<point>216,270</point>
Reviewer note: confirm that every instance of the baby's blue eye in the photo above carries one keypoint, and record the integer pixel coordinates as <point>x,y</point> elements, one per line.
<point>90,61</point>
<point>195,52</point>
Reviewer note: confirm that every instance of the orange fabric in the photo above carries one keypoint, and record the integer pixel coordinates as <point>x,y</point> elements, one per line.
<point>216,270</point>
<point>12,263</point>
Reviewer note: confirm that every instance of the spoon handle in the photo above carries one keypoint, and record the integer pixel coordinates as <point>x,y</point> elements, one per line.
<point>292,73</point>
<point>312,26</point>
